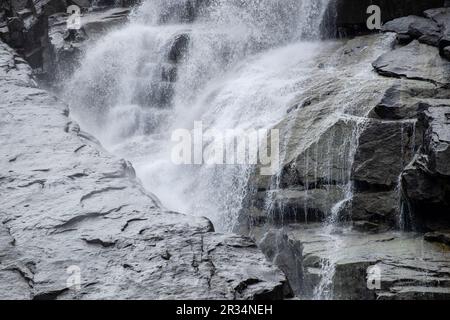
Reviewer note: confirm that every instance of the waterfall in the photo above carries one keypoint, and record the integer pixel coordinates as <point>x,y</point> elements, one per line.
<point>324,289</point>
<point>230,64</point>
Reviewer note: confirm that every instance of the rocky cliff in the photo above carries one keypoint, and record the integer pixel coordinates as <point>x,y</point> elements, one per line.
<point>365,158</point>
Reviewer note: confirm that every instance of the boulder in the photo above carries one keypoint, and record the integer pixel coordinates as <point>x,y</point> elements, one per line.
<point>446,52</point>
<point>423,29</point>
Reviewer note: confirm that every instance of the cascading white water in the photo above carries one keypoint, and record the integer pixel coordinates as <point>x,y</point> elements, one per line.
<point>245,62</point>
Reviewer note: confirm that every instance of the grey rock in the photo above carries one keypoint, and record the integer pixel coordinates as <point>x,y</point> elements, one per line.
<point>438,138</point>
<point>65,47</point>
<point>442,17</point>
<point>426,181</point>
<point>404,38</point>
<point>85,211</point>
<point>286,254</point>
<point>376,209</point>
<point>426,30</point>
<point>415,61</point>
<point>439,237</point>
<point>384,149</point>
<point>405,99</point>
<point>446,52</point>
<point>401,25</point>
<point>408,266</point>
<point>294,205</point>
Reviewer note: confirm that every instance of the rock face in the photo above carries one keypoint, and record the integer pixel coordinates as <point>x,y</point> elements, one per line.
<point>432,29</point>
<point>321,133</point>
<point>367,164</point>
<point>84,216</point>
<point>425,177</point>
<point>37,29</point>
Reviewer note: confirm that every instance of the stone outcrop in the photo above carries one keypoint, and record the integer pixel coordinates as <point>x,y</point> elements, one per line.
<point>432,29</point>
<point>82,214</point>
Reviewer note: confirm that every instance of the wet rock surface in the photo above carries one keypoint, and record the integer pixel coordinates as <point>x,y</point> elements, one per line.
<point>415,61</point>
<point>85,214</point>
<point>65,47</point>
<point>386,265</point>
<point>392,174</point>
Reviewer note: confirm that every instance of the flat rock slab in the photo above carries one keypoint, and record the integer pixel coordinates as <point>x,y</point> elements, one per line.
<point>76,223</point>
<point>407,266</point>
<point>415,61</point>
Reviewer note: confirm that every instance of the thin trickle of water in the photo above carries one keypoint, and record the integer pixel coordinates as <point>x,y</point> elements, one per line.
<point>405,221</point>
<point>324,290</point>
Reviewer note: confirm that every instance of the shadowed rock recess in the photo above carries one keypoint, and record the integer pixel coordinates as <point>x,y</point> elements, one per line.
<point>359,209</point>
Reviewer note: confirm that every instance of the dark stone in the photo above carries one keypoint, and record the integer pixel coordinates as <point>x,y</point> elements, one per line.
<point>351,15</point>
<point>178,48</point>
<point>404,39</point>
<point>426,181</point>
<point>414,27</point>
<point>415,61</point>
<point>439,237</point>
<point>286,254</point>
<point>384,149</point>
<point>446,52</point>
<point>442,17</point>
<point>375,209</point>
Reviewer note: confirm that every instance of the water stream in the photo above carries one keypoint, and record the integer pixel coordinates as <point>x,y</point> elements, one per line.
<point>226,65</point>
